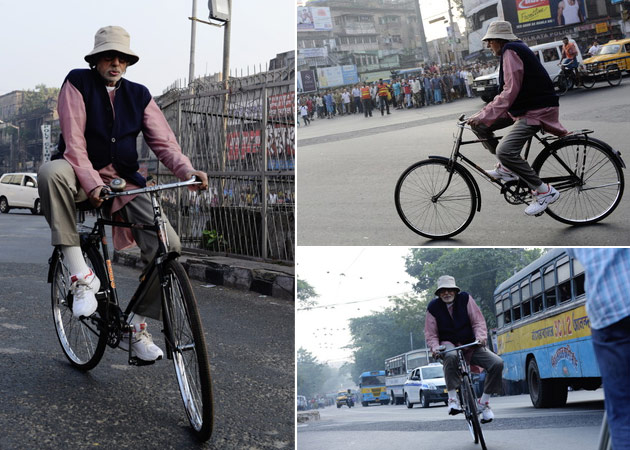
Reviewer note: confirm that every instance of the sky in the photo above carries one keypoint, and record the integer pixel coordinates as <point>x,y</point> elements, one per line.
<point>351,282</point>
<point>42,40</point>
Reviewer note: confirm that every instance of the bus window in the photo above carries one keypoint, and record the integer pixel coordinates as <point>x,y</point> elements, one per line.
<point>516,312</point>
<point>578,278</point>
<point>527,308</point>
<point>500,321</point>
<point>550,286</point>
<point>506,306</point>
<point>507,317</point>
<point>538,303</point>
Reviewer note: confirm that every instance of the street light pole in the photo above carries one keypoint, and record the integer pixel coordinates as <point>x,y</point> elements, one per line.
<point>193,34</point>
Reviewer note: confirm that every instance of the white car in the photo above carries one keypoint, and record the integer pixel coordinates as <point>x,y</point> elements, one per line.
<point>19,190</point>
<point>425,385</point>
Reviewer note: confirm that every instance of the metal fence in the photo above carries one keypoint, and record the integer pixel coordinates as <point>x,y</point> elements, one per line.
<point>244,138</point>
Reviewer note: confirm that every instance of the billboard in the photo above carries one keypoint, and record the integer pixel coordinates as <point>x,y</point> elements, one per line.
<point>337,76</point>
<point>532,15</point>
<point>313,18</point>
<point>306,81</point>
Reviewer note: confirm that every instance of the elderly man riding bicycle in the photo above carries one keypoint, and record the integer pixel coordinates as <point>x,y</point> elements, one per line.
<point>527,100</point>
<point>101,115</point>
<point>453,318</point>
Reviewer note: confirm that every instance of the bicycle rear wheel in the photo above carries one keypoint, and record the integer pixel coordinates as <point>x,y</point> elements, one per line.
<point>613,75</point>
<point>587,175</point>
<point>588,79</point>
<point>82,341</point>
<point>188,349</point>
<point>472,416</point>
<point>422,212</point>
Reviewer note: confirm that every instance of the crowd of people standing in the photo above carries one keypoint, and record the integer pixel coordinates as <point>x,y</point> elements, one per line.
<point>431,85</point>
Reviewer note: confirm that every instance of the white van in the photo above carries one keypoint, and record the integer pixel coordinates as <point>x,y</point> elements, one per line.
<point>19,190</point>
<point>549,54</point>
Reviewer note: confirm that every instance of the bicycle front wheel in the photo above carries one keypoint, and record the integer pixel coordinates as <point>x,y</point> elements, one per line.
<point>426,213</point>
<point>589,178</point>
<point>187,345</point>
<point>82,341</point>
<point>472,416</point>
<point>561,84</point>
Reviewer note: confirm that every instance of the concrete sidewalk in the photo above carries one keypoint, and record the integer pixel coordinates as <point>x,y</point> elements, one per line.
<point>275,280</point>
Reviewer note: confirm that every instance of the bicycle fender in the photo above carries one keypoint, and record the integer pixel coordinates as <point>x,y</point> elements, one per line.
<point>597,142</point>
<point>467,173</point>
<point>53,257</point>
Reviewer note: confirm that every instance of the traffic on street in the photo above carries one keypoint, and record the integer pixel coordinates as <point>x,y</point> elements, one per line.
<point>517,424</point>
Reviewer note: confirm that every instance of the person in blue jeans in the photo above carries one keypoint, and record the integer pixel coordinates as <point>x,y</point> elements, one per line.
<point>608,306</point>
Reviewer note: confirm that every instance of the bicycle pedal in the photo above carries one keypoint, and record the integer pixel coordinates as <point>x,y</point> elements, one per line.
<point>135,361</point>
<point>539,214</point>
<point>485,421</point>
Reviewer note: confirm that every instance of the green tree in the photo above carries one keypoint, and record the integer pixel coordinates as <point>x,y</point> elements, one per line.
<point>40,99</point>
<point>311,374</point>
<point>306,295</point>
<point>374,338</point>
<point>476,271</point>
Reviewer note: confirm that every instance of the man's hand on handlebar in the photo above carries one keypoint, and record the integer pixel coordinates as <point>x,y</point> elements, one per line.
<point>201,176</point>
<point>96,196</point>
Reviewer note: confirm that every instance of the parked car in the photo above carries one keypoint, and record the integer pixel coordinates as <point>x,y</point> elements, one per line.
<point>425,385</point>
<point>614,52</point>
<point>19,190</point>
<point>549,55</point>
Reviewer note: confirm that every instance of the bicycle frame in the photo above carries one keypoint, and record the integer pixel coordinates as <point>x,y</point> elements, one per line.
<point>97,235</point>
<point>456,156</point>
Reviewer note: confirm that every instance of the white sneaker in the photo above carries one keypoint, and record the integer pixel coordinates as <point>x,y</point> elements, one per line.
<point>454,407</point>
<point>502,173</point>
<point>84,288</point>
<point>486,413</point>
<point>142,344</point>
<point>541,201</point>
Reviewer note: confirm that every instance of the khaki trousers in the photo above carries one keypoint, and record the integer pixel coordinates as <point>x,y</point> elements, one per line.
<point>59,192</point>
<point>481,357</point>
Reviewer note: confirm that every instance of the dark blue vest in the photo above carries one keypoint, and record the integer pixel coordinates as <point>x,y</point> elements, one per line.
<point>456,329</point>
<point>537,88</point>
<point>111,135</point>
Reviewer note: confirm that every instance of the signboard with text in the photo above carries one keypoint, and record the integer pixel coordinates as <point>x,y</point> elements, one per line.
<point>337,76</point>
<point>313,19</point>
<point>532,15</point>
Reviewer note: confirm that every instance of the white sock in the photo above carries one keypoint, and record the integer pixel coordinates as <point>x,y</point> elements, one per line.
<point>485,398</point>
<point>543,188</point>
<point>452,394</point>
<point>73,257</point>
<point>136,319</point>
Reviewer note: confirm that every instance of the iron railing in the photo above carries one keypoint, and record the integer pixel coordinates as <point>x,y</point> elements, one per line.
<point>244,138</point>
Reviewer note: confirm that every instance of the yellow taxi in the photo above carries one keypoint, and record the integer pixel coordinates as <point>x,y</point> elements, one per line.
<point>614,52</point>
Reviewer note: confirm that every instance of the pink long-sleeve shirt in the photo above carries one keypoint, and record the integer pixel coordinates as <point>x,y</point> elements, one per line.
<point>513,72</point>
<point>478,322</point>
<point>155,129</point>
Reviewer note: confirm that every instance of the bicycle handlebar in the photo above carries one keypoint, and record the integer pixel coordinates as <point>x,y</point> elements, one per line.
<point>109,193</point>
<point>442,348</point>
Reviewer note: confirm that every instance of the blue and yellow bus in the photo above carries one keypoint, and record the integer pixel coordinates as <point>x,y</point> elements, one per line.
<point>372,387</point>
<point>544,334</point>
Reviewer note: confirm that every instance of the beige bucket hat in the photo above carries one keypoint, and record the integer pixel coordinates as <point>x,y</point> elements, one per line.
<point>112,38</point>
<point>446,281</point>
<point>500,29</point>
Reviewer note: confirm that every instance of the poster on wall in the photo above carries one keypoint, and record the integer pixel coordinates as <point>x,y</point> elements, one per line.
<point>306,81</point>
<point>532,15</point>
<point>313,19</point>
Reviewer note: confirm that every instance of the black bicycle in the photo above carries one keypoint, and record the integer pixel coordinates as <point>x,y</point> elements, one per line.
<point>84,340</point>
<point>466,394</point>
<point>438,197</point>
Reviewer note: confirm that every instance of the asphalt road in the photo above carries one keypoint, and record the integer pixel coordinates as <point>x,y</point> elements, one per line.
<point>517,426</point>
<point>46,404</point>
<point>348,168</point>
